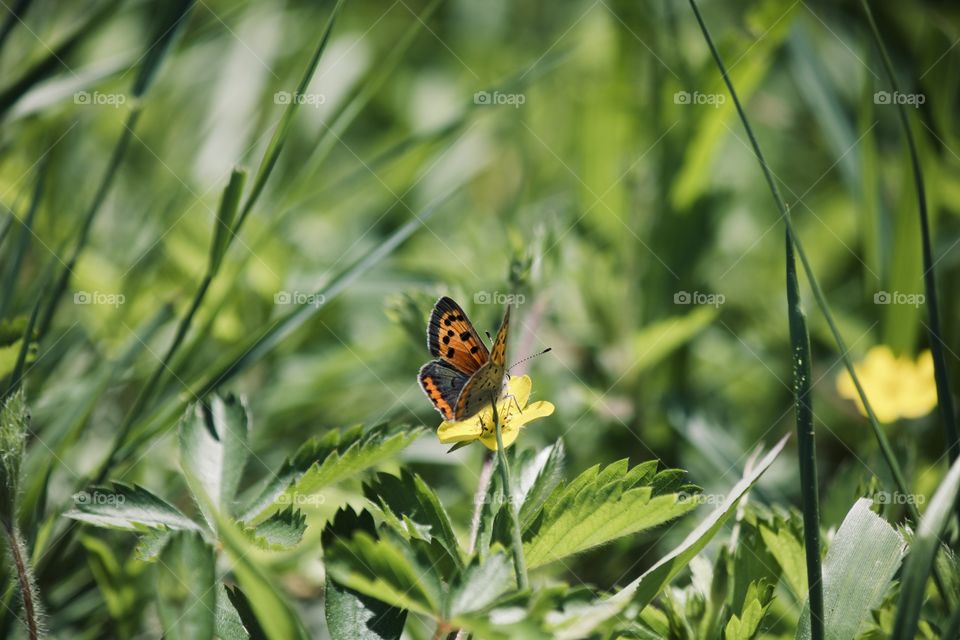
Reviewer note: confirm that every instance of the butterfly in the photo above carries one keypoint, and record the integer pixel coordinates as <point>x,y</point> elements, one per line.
<point>465,377</point>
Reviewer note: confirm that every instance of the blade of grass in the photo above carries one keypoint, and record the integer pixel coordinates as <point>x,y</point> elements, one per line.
<point>54,59</point>
<point>225,215</point>
<point>283,128</point>
<point>944,398</point>
<point>224,233</point>
<point>249,352</point>
<point>821,300</point>
<point>16,376</point>
<point>806,444</point>
<point>332,133</point>
<point>168,27</point>
<point>923,551</point>
<point>885,448</point>
<point>23,241</point>
<point>14,16</point>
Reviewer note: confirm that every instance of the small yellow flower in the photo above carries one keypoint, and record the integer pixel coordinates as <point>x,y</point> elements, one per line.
<point>896,387</point>
<point>514,413</point>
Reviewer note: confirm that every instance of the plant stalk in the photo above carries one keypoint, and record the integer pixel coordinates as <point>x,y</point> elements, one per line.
<point>806,444</point>
<point>885,448</point>
<point>24,581</point>
<point>944,397</point>
<point>519,564</point>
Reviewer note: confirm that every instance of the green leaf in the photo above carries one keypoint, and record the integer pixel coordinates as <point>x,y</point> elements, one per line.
<point>863,557</point>
<point>214,450</point>
<point>169,23</point>
<point>600,506</point>
<point>324,461</point>
<point>384,568</point>
<point>128,508</point>
<point>745,625</point>
<point>117,584</point>
<point>414,511</point>
<point>480,585</point>
<point>150,545</point>
<point>351,614</point>
<point>275,617</point>
<point>223,227</point>
<point>784,545</point>
<point>656,341</point>
<point>537,476</point>
<point>283,530</point>
<point>644,589</point>
<point>714,126</point>
<point>923,551</point>
<point>186,587</point>
<point>228,623</point>
<point>244,611</point>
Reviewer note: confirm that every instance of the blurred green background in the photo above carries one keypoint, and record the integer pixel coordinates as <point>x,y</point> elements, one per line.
<point>592,167</point>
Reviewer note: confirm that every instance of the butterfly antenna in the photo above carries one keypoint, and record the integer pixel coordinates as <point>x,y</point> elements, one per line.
<point>547,350</point>
<point>489,337</point>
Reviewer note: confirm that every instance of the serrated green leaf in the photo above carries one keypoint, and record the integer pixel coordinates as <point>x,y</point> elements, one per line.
<point>186,587</point>
<point>129,508</point>
<point>283,530</point>
<point>414,510</point>
<point>482,582</point>
<point>855,575</point>
<point>600,505</point>
<point>241,605</point>
<point>745,625</point>
<point>787,550</point>
<point>275,617</point>
<point>228,623</point>
<point>324,461</point>
<point>385,569</point>
<point>923,551</point>
<point>351,614</point>
<point>213,450</point>
<point>644,589</point>
<point>151,544</point>
<point>537,476</point>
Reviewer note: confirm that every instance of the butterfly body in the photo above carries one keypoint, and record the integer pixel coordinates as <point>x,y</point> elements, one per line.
<point>465,376</point>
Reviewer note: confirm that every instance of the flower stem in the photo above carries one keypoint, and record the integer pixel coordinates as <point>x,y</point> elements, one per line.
<point>25,581</point>
<point>483,483</point>
<point>519,564</point>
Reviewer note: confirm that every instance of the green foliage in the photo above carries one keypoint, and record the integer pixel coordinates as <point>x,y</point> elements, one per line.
<point>601,505</point>
<point>128,508</point>
<point>477,150</point>
<point>923,552</point>
<point>349,613</point>
<point>746,625</point>
<point>856,575</point>
<point>14,424</point>
<point>214,450</point>
<point>186,587</point>
<point>323,461</point>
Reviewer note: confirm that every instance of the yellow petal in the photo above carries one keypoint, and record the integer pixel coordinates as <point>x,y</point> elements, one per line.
<point>539,409</point>
<point>462,431</point>
<point>508,432</point>
<point>519,387</point>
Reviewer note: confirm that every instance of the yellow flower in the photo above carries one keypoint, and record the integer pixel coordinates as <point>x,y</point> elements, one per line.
<point>896,387</point>
<point>514,413</point>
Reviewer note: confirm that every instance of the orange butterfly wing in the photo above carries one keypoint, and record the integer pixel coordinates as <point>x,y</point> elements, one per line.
<point>485,385</point>
<point>452,338</point>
